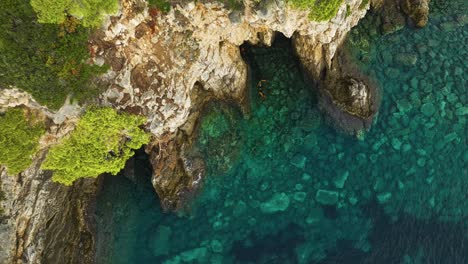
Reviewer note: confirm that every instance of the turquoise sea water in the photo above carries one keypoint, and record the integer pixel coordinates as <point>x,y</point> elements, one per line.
<point>284,187</point>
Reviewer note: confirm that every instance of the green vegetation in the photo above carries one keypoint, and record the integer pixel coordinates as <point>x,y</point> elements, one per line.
<point>46,60</point>
<point>19,140</point>
<point>363,4</point>
<point>90,12</point>
<point>162,5</point>
<point>320,10</point>
<point>2,197</point>
<point>102,142</point>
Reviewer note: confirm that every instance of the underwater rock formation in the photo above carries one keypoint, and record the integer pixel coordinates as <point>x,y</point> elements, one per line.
<point>394,14</point>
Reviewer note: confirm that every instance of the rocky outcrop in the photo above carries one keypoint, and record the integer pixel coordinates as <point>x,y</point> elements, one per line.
<point>45,222</point>
<point>349,98</point>
<point>42,221</point>
<point>417,11</point>
<point>177,175</point>
<point>394,14</point>
<point>157,61</point>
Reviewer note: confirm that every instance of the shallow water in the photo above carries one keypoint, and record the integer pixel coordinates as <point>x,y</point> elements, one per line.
<point>285,187</point>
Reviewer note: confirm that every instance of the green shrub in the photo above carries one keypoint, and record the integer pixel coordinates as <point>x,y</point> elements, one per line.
<point>19,140</point>
<point>46,60</point>
<point>320,10</point>
<point>363,4</point>
<point>102,142</point>
<point>90,12</point>
<point>162,5</point>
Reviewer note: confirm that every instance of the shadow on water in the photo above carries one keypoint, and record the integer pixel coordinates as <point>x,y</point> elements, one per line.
<point>405,241</point>
<point>254,250</point>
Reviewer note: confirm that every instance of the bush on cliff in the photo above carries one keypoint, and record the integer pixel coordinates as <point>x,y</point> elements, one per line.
<point>320,10</point>
<point>46,60</point>
<point>102,142</point>
<point>162,5</point>
<point>19,140</point>
<point>90,12</point>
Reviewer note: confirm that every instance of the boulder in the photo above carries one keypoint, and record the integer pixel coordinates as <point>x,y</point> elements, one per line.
<point>326,197</point>
<point>278,203</point>
<point>416,10</point>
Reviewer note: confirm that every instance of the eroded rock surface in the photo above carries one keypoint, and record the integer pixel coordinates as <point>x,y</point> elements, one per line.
<point>46,222</point>
<point>349,98</point>
<point>158,60</point>
<point>177,175</point>
<point>417,11</point>
<point>42,221</point>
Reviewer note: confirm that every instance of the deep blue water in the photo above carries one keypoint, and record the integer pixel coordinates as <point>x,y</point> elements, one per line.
<point>284,186</point>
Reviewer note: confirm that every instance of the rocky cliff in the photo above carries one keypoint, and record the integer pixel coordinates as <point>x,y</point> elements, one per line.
<point>157,63</point>
<point>157,59</point>
<point>43,221</point>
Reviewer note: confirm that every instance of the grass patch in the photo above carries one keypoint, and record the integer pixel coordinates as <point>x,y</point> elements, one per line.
<point>320,10</point>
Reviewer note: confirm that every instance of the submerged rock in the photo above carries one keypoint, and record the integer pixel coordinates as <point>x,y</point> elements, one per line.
<point>160,240</point>
<point>278,203</point>
<point>340,180</point>
<point>428,109</point>
<point>406,59</point>
<point>299,161</point>
<point>326,197</point>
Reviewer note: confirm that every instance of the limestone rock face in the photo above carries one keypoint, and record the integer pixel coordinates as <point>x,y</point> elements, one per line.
<point>42,221</point>
<point>157,59</point>
<point>45,222</point>
<point>177,176</point>
<point>348,97</point>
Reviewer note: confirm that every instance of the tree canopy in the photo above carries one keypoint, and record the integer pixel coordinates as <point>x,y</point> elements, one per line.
<point>102,142</point>
<point>49,61</point>
<point>90,12</point>
<point>320,10</point>
<point>19,139</point>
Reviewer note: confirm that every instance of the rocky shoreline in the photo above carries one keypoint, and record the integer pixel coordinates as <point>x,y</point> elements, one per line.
<point>166,67</point>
